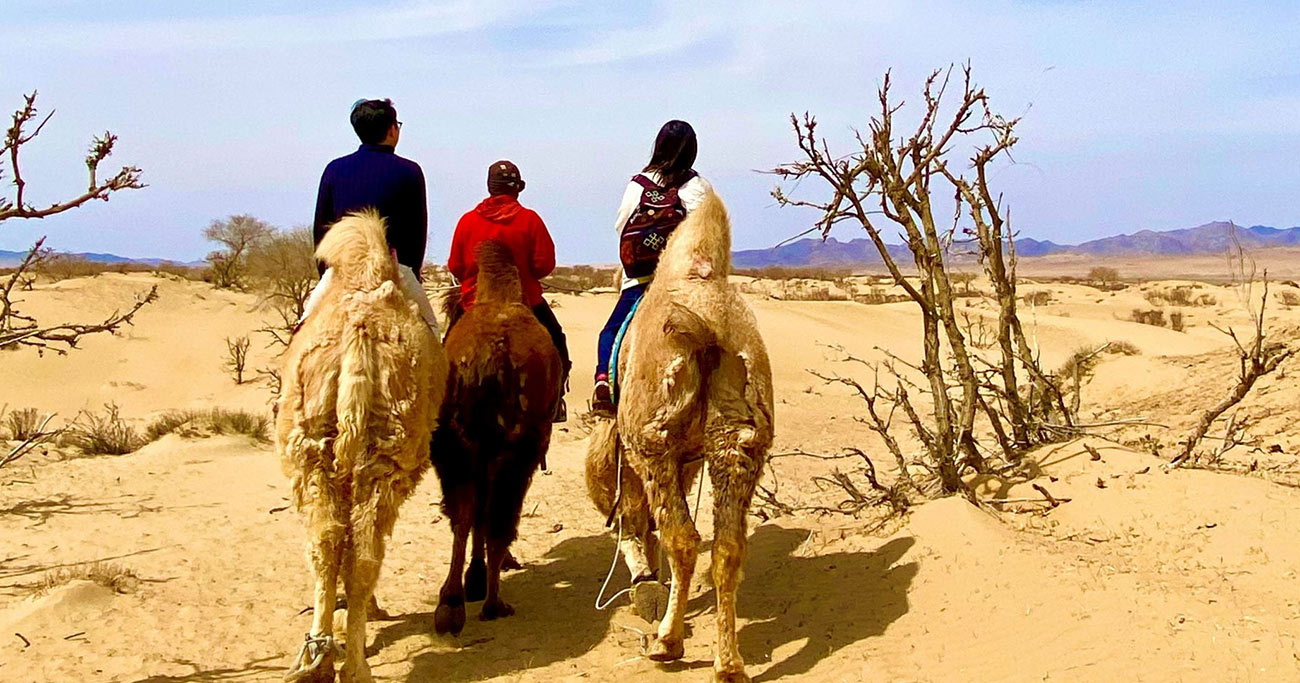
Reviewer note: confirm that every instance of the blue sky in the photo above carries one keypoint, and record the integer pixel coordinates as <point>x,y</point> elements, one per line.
<point>1136,116</point>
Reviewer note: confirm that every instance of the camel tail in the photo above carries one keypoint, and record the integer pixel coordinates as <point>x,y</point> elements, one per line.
<point>356,391</point>
<point>357,249</point>
<point>498,278</point>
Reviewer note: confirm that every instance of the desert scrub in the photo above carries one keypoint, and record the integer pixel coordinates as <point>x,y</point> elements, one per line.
<point>104,433</point>
<point>23,424</point>
<point>1123,348</point>
<point>110,575</point>
<point>193,423</point>
<point>1041,297</point>
<point>1182,295</point>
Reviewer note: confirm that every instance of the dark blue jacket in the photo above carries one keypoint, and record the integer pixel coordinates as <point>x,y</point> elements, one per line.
<point>375,177</point>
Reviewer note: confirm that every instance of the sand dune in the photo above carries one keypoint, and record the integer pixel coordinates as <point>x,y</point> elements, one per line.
<point>1153,576</point>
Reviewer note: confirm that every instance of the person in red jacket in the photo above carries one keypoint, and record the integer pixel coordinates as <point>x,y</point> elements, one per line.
<point>501,217</point>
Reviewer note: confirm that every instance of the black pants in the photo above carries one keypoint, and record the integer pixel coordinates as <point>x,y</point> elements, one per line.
<point>547,318</point>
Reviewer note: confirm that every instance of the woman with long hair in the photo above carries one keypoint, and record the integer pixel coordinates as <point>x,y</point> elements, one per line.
<point>654,203</point>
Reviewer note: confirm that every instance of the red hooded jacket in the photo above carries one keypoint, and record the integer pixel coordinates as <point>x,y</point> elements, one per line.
<point>502,218</point>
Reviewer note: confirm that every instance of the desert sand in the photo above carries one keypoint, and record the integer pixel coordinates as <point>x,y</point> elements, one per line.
<point>1146,574</point>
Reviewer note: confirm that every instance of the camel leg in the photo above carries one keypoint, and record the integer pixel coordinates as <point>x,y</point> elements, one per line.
<point>450,615</point>
<point>476,575</point>
<point>325,555</point>
<point>681,542</point>
<point>505,503</point>
<point>373,515</point>
<point>733,474</point>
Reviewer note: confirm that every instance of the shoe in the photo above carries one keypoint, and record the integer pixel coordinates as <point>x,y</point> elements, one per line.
<point>602,402</point>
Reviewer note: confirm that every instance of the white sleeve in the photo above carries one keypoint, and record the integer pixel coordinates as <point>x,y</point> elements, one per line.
<point>693,192</point>
<point>631,197</point>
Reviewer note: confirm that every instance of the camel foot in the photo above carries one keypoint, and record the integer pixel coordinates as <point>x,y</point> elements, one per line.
<point>737,676</point>
<point>496,609</point>
<point>449,619</point>
<point>315,662</point>
<point>661,650</point>
<point>649,600</point>
<point>510,564</point>
<point>476,580</point>
<point>358,674</point>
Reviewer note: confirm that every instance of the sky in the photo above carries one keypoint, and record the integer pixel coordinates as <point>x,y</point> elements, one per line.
<point>1135,115</point>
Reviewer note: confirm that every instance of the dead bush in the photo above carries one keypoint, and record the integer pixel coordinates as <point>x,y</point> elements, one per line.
<point>110,575</point>
<point>1176,321</point>
<point>878,295</point>
<point>23,424</point>
<point>1182,295</point>
<point>578,279</point>
<point>1123,348</point>
<point>102,433</point>
<point>1154,317</point>
<point>236,357</point>
<point>1289,298</point>
<point>193,423</point>
<point>1041,297</point>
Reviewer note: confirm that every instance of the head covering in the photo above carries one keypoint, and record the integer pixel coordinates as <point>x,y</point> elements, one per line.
<point>503,178</point>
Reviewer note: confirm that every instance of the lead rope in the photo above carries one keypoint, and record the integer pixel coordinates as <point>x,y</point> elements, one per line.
<point>618,497</point>
<point>613,563</point>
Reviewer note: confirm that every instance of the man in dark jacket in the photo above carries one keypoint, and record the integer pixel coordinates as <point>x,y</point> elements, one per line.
<point>374,177</point>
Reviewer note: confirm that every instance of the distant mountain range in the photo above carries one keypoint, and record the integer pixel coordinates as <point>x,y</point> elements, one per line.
<point>1204,239</point>
<point>1210,238</point>
<point>9,259</point>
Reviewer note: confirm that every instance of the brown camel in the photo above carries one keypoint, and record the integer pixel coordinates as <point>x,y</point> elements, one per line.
<point>493,434</point>
<point>363,382</point>
<point>696,389</point>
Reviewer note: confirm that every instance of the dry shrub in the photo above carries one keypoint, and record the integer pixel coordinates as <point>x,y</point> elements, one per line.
<point>1154,317</point>
<point>580,278</point>
<point>1289,298</point>
<point>102,433</point>
<point>110,575</point>
<point>59,267</point>
<point>1041,297</point>
<point>236,357</point>
<point>1182,295</point>
<point>23,424</point>
<point>797,273</point>
<point>1080,364</point>
<point>1123,348</point>
<point>877,295</point>
<point>1176,321</point>
<point>192,423</point>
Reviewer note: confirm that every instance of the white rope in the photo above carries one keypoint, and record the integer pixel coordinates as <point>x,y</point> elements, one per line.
<point>613,564</point>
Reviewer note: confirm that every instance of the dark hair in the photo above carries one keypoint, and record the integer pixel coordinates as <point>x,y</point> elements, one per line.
<point>674,153</point>
<point>372,119</point>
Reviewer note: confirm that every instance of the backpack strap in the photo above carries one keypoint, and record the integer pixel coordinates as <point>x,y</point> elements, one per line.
<point>645,183</point>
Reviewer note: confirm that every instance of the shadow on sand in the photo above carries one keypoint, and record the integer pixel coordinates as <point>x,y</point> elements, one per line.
<point>555,619</point>
<point>828,601</point>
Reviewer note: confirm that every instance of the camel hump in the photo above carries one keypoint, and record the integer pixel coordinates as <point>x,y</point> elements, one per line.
<point>356,248</point>
<point>498,278</point>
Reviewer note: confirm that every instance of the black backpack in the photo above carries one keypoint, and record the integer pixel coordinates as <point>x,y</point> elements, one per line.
<point>659,212</point>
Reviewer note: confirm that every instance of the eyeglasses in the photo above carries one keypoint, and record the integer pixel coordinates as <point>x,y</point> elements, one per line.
<point>399,125</point>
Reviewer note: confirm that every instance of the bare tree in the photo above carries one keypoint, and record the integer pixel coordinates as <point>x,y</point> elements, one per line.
<point>283,266</point>
<point>1257,356</point>
<point>237,357</point>
<point>238,236</point>
<point>1104,276</point>
<point>887,181</point>
<point>16,328</point>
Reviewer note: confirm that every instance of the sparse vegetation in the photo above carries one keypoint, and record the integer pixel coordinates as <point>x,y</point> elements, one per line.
<point>102,433</point>
<point>23,424</point>
<point>579,279</point>
<point>193,423</point>
<point>1123,348</point>
<point>238,237</point>
<point>1040,297</point>
<point>1104,276</point>
<point>1289,298</point>
<point>115,577</point>
<point>1181,295</point>
<point>236,357</point>
<point>1155,317</point>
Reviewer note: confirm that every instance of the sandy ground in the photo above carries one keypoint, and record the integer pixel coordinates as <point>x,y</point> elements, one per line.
<point>1145,575</point>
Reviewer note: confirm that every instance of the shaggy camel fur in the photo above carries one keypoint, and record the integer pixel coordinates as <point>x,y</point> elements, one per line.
<point>696,389</point>
<point>493,434</point>
<point>364,379</point>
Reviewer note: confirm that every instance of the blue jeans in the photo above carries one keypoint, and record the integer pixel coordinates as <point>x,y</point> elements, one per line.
<point>626,300</point>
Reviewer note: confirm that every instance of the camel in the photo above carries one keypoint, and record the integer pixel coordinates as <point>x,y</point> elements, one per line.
<point>363,382</point>
<point>696,389</point>
<point>493,434</point>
